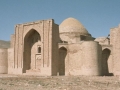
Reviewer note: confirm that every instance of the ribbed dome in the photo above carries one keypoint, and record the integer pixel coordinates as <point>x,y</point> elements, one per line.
<point>72,25</point>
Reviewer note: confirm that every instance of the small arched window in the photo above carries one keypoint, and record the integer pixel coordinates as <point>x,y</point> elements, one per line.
<point>39,49</point>
<point>82,37</point>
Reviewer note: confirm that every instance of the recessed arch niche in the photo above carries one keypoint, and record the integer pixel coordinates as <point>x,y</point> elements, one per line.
<point>31,41</point>
<point>61,63</point>
<point>106,62</point>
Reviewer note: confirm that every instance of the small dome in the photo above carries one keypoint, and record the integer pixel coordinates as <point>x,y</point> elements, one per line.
<point>71,29</point>
<point>72,25</point>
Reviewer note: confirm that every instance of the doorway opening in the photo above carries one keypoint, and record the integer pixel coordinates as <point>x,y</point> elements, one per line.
<point>61,63</point>
<point>105,63</point>
<point>30,49</point>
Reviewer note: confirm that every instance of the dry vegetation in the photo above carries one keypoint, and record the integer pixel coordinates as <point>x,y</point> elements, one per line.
<point>10,82</point>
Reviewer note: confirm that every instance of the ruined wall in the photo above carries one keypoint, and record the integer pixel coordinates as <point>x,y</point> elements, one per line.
<point>3,61</point>
<point>115,42</point>
<point>11,61</point>
<point>103,40</point>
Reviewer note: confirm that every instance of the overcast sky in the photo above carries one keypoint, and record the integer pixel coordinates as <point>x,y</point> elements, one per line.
<point>98,16</point>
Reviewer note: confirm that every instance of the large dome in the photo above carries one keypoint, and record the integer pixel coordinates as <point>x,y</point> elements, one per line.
<point>71,25</point>
<point>71,29</point>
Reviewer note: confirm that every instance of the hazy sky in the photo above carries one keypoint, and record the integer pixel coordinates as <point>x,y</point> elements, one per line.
<point>98,16</point>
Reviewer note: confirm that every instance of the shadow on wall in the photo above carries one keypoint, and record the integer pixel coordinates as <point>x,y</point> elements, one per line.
<point>105,65</point>
<point>62,56</point>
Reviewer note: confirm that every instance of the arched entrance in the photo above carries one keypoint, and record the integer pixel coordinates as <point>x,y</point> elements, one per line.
<point>61,63</point>
<point>106,64</point>
<point>31,55</point>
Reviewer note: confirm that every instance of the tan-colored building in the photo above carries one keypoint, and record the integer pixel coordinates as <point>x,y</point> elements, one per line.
<point>45,48</point>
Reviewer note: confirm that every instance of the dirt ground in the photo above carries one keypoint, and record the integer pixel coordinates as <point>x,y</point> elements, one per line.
<point>27,82</point>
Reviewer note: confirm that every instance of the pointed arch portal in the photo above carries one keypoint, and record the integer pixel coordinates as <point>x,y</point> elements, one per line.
<point>31,41</point>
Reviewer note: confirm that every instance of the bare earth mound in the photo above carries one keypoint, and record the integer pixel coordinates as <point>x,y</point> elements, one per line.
<point>25,82</point>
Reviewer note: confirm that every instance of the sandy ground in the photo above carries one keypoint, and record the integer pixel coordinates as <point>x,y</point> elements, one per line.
<point>27,82</point>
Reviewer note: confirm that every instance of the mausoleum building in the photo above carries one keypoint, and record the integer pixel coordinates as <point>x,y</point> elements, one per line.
<point>45,48</point>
